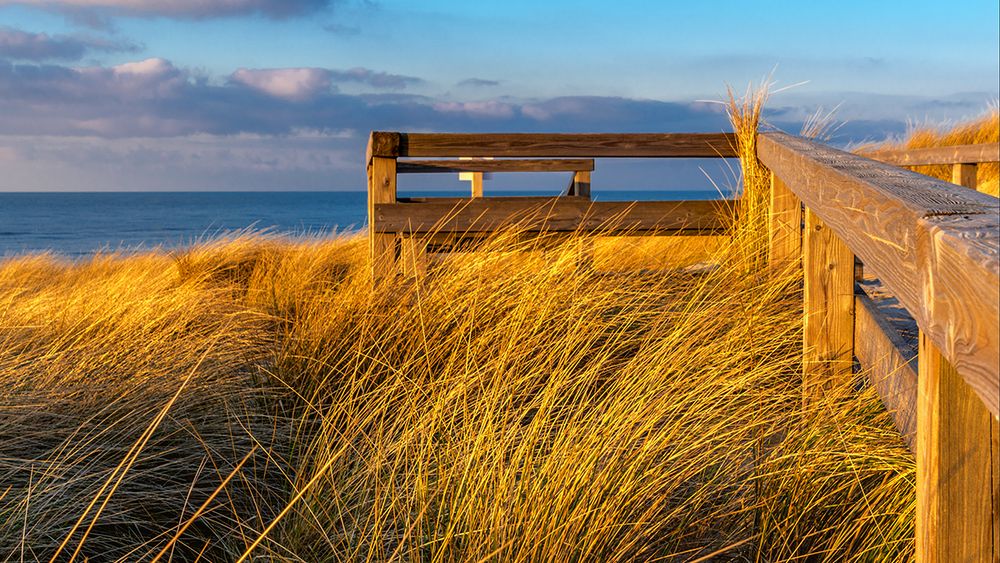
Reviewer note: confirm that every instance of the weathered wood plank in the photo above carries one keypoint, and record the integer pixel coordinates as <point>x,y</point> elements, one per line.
<point>381,191</point>
<point>828,300</point>
<point>968,154</point>
<point>632,145</point>
<point>882,352</point>
<point>964,175</point>
<point>935,245</point>
<point>954,482</point>
<point>519,165</point>
<point>559,214</point>
<point>526,199</point>
<point>382,143</point>
<point>784,229</point>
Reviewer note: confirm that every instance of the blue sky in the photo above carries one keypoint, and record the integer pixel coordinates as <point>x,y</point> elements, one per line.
<point>257,94</point>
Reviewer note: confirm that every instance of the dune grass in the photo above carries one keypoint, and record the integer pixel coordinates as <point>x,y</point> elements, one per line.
<point>982,129</point>
<point>254,399</point>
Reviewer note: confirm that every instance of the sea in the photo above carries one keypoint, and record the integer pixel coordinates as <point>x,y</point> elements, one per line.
<point>77,225</point>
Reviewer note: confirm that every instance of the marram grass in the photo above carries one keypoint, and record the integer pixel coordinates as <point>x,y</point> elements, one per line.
<point>254,399</point>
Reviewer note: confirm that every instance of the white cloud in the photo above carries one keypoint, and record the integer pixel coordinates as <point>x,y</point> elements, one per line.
<point>286,83</point>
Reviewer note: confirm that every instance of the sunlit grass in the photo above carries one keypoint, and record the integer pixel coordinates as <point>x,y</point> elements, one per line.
<point>510,406</point>
<point>983,129</point>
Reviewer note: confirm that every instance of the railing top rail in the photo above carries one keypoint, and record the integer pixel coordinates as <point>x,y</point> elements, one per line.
<point>936,245</point>
<point>955,154</point>
<point>519,165</point>
<point>584,145</point>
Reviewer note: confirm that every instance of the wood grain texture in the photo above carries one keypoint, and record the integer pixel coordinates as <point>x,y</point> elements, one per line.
<point>559,214</point>
<point>382,143</point>
<point>968,154</point>
<point>935,245</point>
<point>381,191</point>
<point>892,371</point>
<point>828,298</point>
<point>995,473</point>
<point>510,165</point>
<point>964,175</point>
<point>637,145</point>
<point>955,520</point>
<point>784,230</point>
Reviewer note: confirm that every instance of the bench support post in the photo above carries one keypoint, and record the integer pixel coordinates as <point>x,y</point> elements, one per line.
<point>381,189</point>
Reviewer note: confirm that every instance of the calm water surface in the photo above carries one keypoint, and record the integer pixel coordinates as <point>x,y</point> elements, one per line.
<point>79,224</point>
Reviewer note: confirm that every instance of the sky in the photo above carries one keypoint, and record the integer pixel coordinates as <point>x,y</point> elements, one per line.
<point>281,94</point>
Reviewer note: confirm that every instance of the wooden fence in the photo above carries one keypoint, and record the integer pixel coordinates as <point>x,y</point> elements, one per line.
<point>935,246</point>
<point>964,159</point>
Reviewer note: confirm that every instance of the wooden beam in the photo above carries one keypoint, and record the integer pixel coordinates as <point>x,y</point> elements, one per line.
<point>581,184</point>
<point>828,296</point>
<point>493,198</point>
<point>784,230</point>
<point>509,165</point>
<point>559,214</point>
<point>964,175</point>
<point>382,143</point>
<point>631,145</point>
<point>891,368</point>
<point>955,520</point>
<point>381,191</point>
<point>955,154</point>
<point>935,245</point>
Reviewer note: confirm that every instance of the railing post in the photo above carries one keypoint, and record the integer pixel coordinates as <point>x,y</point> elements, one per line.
<point>581,188</point>
<point>956,477</point>
<point>381,189</point>
<point>828,295</point>
<point>784,229</point>
<point>581,183</point>
<point>477,184</point>
<point>964,175</point>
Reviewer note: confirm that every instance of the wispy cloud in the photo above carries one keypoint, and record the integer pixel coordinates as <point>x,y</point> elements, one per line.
<point>189,9</point>
<point>300,84</point>
<point>342,29</point>
<point>375,78</point>
<point>29,46</point>
<point>478,83</point>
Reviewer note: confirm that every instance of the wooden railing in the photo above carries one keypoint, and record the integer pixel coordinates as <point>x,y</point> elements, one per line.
<point>964,159</point>
<point>402,229</point>
<point>935,246</point>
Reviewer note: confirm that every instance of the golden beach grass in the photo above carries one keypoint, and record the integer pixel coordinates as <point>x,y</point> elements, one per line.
<point>252,398</point>
<point>982,129</point>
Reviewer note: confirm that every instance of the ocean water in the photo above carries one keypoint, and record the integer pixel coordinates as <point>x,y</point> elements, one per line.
<point>79,224</point>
